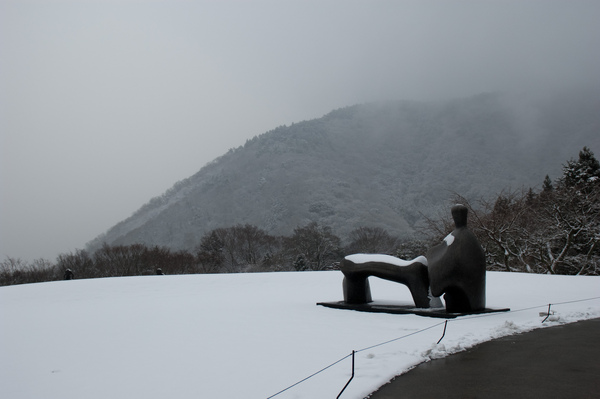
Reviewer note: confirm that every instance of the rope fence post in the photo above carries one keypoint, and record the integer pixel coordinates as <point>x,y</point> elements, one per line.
<point>444,333</point>
<point>351,377</point>
<point>548,314</point>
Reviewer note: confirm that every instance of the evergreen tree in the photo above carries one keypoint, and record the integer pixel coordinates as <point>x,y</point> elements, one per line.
<point>530,198</point>
<point>300,264</point>
<point>547,187</point>
<point>581,172</point>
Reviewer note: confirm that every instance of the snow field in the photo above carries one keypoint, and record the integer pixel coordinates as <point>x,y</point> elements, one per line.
<point>244,335</point>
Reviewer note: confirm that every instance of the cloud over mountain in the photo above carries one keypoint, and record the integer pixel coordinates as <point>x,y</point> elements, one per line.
<point>377,164</point>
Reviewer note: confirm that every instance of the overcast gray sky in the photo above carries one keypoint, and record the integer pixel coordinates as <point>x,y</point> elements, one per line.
<point>106,104</point>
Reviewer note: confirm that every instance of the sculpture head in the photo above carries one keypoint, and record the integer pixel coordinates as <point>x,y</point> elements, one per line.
<point>459,214</point>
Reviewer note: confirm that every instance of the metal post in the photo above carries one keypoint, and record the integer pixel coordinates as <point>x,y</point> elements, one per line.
<point>351,377</point>
<point>548,315</point>
<point>444,333</point>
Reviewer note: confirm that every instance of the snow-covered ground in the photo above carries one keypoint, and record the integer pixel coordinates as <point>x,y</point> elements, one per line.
<point>244,335</point>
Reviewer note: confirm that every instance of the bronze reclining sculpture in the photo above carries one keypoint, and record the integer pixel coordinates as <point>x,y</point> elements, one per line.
<point>454,268</point>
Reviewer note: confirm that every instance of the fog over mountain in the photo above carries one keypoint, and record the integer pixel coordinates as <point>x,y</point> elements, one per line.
<point>105,104</point>
<point>378,165</point>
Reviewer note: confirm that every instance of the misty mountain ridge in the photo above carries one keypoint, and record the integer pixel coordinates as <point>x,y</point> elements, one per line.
<point>375,165</point>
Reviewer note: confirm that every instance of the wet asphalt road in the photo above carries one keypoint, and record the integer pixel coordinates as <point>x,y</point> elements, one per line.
<point>554,362</point>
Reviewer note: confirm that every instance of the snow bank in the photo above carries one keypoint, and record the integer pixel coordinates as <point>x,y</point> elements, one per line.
<point>243,335</point>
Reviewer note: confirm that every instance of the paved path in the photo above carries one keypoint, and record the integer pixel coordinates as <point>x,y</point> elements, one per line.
<point>556,362</point>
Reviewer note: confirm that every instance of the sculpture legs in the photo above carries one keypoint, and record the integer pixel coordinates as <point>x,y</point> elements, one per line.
<point>356,283</point>
<point>457,301</point>
<point>357,289</point>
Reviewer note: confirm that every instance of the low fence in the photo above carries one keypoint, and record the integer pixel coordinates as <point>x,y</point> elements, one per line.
<point>444,323</point>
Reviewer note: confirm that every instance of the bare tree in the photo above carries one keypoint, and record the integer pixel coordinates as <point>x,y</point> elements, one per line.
<point>80,263</point>
<point>235,249</point>
<point>371,240</point>
<point>317,245</point>
<point>567,240</point>
<point>502,227</point>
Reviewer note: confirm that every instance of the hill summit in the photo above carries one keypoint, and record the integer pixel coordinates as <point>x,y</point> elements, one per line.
<point>375,165</point>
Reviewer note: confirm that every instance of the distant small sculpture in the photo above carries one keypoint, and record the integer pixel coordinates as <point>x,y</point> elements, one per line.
<point>69,274</point>
<point>457,267</point>
<point>454,268</point>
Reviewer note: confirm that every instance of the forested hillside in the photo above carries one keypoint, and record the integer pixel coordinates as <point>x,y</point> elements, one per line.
<point>383,165</point>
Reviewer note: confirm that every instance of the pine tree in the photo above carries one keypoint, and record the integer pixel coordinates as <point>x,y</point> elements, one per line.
<point>547,186</point>
<point>530,197</point>
<point>584,171</point>
<point>300,264</point>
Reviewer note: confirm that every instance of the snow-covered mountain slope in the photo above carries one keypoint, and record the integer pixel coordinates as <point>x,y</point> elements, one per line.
<point>371,165</point>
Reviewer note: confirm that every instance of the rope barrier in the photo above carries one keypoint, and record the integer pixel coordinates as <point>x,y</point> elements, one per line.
<point>445,323</point>
<point>399,338</point>
<point>577,300</point>
<point>310,376</point>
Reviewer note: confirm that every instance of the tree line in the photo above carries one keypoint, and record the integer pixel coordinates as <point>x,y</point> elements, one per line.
<point>236,249</point>
<point>553,230</point>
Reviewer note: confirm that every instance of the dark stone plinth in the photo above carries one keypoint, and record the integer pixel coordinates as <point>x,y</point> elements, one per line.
<point>457,267</point>
<point>375,307</point>
<point>356,279</point>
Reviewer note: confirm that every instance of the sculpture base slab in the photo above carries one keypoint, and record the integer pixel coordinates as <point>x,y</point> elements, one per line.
<point>375,307</point>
